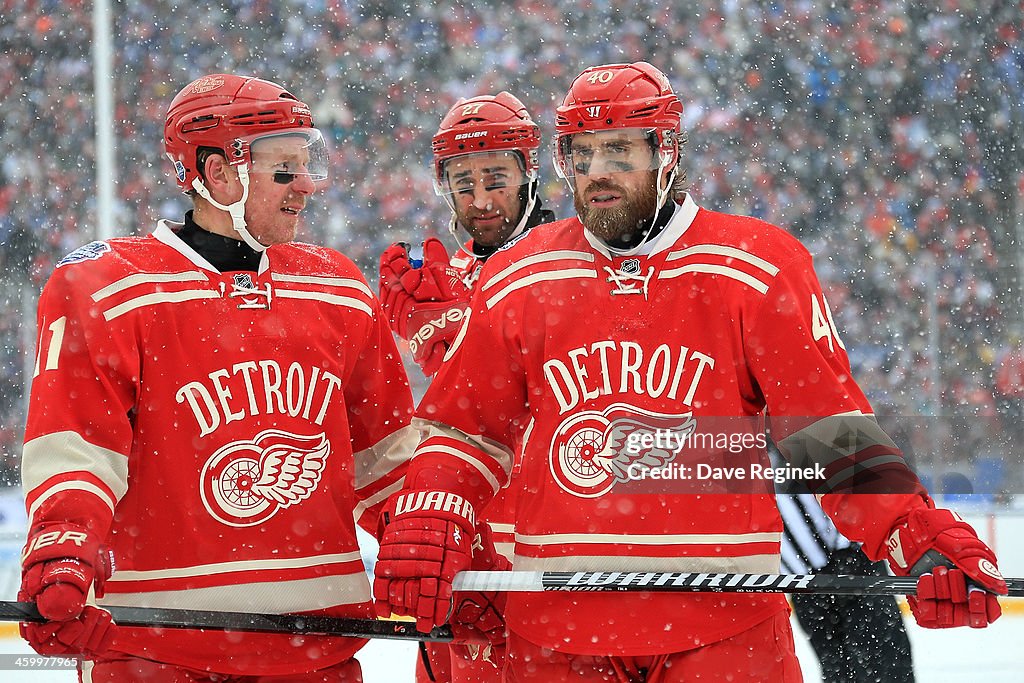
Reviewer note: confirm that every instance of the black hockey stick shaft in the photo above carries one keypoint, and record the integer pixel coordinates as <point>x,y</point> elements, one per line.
<point>693,582</point>
<point>244,621</point>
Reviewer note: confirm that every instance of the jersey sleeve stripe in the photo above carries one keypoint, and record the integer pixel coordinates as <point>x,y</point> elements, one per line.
<point>469,459</point>
<point>146,279</point>
<point>710,269</point>
<point>535,259</point>
<point>64,486</point>
<point>375,463</point>
<point>541,277</point>
<point>77,455</point>
<point>377,498</point>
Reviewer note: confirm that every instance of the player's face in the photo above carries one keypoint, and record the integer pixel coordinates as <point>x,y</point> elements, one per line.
<point>279,185</point>
<point>615,187</point>
<point>485,194</point>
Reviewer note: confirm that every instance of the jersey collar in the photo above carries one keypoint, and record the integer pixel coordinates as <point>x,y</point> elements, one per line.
<point>166,232</point>
<point>677,225</point>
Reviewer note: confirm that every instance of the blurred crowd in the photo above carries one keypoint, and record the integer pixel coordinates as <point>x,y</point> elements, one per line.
<point>884,134</point>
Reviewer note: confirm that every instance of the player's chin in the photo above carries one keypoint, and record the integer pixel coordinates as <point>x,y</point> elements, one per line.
<point>491,236</point>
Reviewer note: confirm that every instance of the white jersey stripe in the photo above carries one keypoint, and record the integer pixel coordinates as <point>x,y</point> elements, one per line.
<point>159,298</point>
<point>382,495</point>
<point>334,299</point>
<point>723,250</point>
<point>726,271</point>
<point>748,564</point>
<point>71,486</point>
<point>108,466</point>
<point>541,277</point>
<point>345,282</point>
<point>650,539</point>
<point>539,258</point>
<point>239,566</point>
<point>274,597</point>
<point>461,455</point>
<point>372,464</point>
<point>146,279</point>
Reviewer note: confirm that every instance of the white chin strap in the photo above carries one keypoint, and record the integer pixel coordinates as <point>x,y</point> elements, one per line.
<point>236,210</point>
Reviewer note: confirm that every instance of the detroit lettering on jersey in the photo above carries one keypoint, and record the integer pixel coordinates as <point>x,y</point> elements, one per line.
<point>258,388</point>
<point>608,367</point>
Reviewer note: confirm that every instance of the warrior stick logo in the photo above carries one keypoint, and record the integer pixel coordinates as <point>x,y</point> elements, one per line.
<point>246,482</point>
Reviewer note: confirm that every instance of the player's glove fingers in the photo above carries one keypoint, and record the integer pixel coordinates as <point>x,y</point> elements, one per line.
<point>92,633</point>
<point>381,598</point>
<point>394,262</point>
<point>435,253</point>
<point>60,601</point>
<point>983,607</point>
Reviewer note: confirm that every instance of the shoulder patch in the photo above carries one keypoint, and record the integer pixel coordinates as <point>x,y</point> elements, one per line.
<point>90,252</point>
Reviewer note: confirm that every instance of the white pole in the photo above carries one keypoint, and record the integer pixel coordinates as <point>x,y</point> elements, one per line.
<point>103,88</point>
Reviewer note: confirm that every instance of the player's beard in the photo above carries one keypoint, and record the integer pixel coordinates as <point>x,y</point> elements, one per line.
<point>620,221</point>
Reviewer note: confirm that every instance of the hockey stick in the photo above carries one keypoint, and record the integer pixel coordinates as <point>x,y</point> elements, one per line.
<point>244,621</point>
<point>688,582</point>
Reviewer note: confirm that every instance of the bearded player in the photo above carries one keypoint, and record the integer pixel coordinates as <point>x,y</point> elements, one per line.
<point>485,168</point>
<point>648,308</point>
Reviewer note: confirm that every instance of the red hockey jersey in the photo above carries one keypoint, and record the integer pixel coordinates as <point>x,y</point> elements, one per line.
<point>230,429</point>
<point>499,514</point>
<point>576,351</point>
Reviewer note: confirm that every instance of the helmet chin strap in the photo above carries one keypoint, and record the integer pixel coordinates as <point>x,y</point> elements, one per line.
<point>236,210</point>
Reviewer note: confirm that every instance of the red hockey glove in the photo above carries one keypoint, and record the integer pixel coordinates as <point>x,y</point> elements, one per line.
<point>424,305</point>
<point>60,563</point>
<point>89,634</point>
<point>478,621</point>
<point>958,573</point>
<point>426,542</point>
<point>58,567</point>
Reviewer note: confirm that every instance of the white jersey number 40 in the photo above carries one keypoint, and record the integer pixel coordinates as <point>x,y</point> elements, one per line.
<point>822,325</point>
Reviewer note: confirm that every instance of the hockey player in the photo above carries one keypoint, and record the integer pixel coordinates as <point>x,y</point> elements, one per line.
<point>215,407</point>
<point>646,315</point>
<point>485,167</point>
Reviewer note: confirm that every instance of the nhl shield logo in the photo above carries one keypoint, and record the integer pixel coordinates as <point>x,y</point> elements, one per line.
<point>247,482</point>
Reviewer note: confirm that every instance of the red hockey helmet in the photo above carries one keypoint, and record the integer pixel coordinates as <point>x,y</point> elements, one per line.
<point>225,112</point>
<point>486,123</point>
<point>616,96</point>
